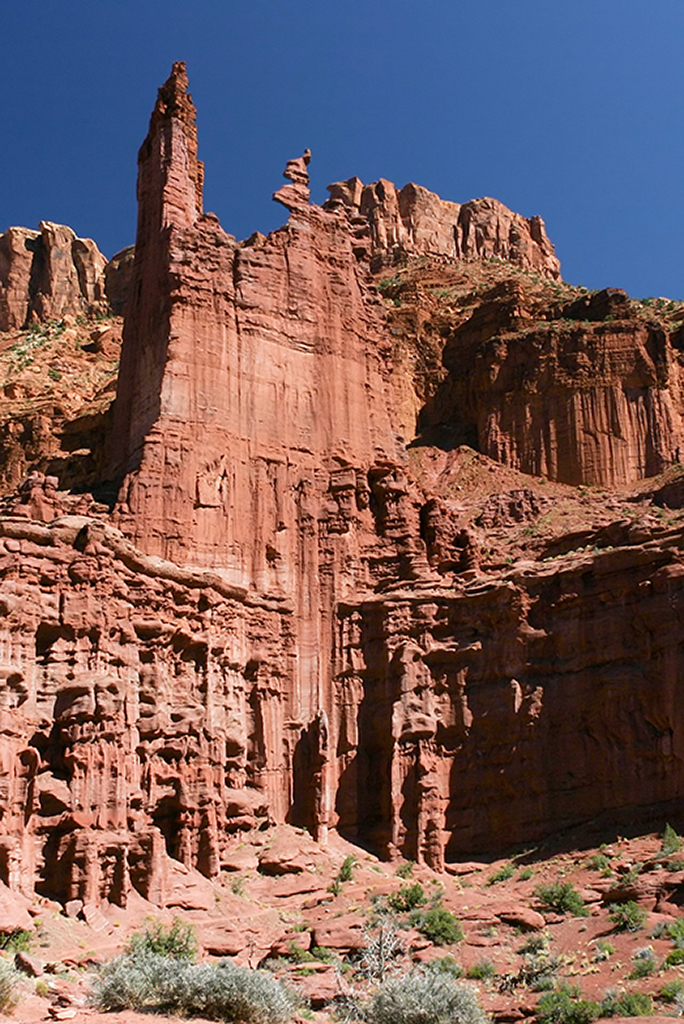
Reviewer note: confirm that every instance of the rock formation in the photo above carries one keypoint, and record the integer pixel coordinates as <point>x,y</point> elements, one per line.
<point>416,220</point>
<point>591,396</point>
<point>45,274</point>
<point>291,613</point>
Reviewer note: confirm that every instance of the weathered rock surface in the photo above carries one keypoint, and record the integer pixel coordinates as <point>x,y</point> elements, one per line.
<point>47,273</point>
<point>594,395</point>
<point>290,614</point>
<point>414,219</point>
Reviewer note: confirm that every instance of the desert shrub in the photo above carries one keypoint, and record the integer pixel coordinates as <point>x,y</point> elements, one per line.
<point>346,872</point>
<point>481,971</point>
<point>561,897</point>
<point>604,950</point>
<point>425,998</point>
<point>534,944</point>
<point>9,986</point>
<point>630,877</point>
<point>526,874</point>
<point>18,941</point>
<point>408,898</point>
<point>440,926</point>
<point>675,931</point>
<point>405,870</point>
<point>178,941</point>
<point>599,862</point>
<point>383,948</point>
<point>503,873</point>
<point>538,969</point>
<point>324,955</point>
<point>226,992</point>
<point>139,979</point>
<point>644,962</point>
<point>446,965</point>
<point>670,842</point>
<point>296,955</point>
<point>671,991</point>
<point>627,917</point>
<point>675,865</point>
<point>564,1005</point>
<point>626,1004</point>
<point>674,957</point>
<point>237,886</point>
<point>146,980</point>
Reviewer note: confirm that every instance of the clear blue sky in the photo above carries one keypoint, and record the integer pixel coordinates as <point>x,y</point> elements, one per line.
<point>573,109</point>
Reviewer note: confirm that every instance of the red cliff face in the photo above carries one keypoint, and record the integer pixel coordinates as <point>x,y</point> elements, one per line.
<point>591,394</point>
<point>293,613</point>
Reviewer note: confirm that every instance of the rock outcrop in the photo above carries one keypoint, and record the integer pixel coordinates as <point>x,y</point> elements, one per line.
<point>413,219</point>
<point>291,614</point>
<point>48,273</point>
<point>591,396</point>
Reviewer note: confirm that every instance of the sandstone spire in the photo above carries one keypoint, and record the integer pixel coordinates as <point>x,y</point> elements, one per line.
<point>170,179</point>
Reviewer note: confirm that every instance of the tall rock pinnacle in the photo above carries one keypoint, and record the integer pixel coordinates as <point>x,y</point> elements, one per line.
<point>170,181</point>
<point>170,177</point>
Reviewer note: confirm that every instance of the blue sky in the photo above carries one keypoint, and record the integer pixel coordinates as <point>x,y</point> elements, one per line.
<point>573,109</point>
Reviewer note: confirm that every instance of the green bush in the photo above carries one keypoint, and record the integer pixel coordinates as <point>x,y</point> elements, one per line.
<point>9,986</point>
<point>526,874</point>
<point>178,941</point>
<point>323,954</point>
<point>144,980</point>
<point>446,965</point>
<point>627,917</point>
<point>675,931</point>
<point>481,971</point>
<point>534,944</point>
<point>671,991</point>
<point>561,897</point>
<point>626,1004</point>
<point>674,957</point>
<point>671,842</point>
<point>564,1005</point>
<point>408,898</point>
<point>18,941</point>
<point>604,950</point>
<point>425,998</point>
<point>644,963</point>
<point>405,870</point>
<point>505,872</point>
<point>346,872</point>
<point>599,862</point>
<point>440,926</point>
<point>296,955</point>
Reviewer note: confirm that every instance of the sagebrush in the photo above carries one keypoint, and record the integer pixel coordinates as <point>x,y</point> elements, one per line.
<point>144,980</point>
<point>425,998</point>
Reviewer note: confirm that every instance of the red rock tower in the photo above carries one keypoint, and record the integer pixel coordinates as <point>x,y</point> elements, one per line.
<point>170,183</point>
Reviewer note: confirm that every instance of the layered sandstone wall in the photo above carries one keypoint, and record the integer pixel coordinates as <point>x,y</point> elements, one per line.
<point>150,712</point>
<point>592,395</point>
